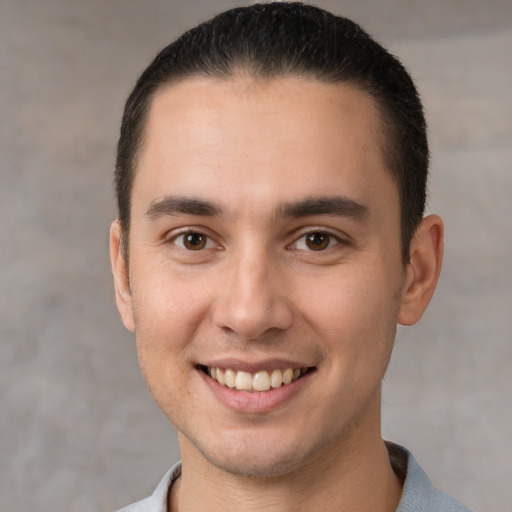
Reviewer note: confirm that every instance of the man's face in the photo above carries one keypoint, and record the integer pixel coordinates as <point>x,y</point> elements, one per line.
<point>265,236</point>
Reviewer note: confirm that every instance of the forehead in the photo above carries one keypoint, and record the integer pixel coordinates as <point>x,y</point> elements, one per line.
<point>259,136</point>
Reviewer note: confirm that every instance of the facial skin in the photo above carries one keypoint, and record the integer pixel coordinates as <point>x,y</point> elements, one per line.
<point>249,168</point>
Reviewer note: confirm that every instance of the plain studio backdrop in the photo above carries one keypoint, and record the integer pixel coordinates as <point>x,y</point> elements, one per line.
<point>78,430</point>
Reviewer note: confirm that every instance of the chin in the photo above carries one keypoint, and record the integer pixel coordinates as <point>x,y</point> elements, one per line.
<point>257,458</point>
<point>260,467</point>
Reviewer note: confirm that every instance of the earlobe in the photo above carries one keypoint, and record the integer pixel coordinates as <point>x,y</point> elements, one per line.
<point>121,277</point>
<point>422,273</point>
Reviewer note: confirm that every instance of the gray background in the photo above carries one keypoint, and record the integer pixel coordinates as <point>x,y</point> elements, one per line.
<point>78,430</point>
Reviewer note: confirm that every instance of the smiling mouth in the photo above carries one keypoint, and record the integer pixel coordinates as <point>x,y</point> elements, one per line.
<point>255,382</point>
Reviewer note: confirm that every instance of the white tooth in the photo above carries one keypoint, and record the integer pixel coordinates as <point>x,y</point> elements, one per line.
<point>243,381</point>
<point>276,378</point>
<point>230,378</point>
<point>287,376</point>
<point>296,374</point>
<point>261,381</point>
<point>220,376</point>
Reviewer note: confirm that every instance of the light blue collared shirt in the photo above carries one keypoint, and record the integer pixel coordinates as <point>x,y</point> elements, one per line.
<point>418,494</point>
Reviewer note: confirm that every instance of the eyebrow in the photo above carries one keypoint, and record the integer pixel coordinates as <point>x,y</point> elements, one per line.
<point>175,205</point>
<point>331,205</point>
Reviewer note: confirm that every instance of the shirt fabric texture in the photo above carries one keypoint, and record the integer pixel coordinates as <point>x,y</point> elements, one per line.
<point>418,494</point>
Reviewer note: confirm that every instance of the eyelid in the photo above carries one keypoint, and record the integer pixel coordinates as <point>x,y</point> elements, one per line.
<point>176,233</point>
<point>340,238</point>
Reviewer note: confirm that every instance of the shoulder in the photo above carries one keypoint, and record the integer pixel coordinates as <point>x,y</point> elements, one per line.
<point>157,502</point>
<point>419,495</point>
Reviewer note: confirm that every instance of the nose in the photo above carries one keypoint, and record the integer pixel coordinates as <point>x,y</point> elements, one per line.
<point>252,299</point>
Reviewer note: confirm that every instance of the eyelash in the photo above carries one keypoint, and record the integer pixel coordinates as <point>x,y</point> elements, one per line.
<point>333,240</point>
<point>209,243</point>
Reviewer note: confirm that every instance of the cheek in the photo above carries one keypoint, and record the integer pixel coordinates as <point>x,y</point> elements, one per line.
<point>165,319</point>
<point>356,311</point>
<point>165,304</point>
<point>167,312</point>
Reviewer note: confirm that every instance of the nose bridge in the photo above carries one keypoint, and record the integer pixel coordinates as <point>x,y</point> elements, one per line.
<point>253,299</point>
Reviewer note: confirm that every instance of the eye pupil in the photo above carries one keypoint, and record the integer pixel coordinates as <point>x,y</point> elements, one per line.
<point>194,241</point>
<point>317,241</point>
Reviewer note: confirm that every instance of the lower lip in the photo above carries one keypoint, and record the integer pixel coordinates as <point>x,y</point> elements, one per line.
<point>257,401</point>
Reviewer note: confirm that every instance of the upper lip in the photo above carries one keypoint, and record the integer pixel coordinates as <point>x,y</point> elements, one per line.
<point>255,365</point>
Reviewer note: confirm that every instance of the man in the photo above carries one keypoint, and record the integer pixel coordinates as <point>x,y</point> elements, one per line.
<point>271,178</point>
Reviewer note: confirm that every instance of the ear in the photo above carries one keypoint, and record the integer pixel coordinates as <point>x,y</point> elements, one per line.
<point>422,273</point>
<point>121,277</point>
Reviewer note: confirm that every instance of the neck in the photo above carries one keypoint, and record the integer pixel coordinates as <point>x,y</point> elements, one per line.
<point>352,477</point>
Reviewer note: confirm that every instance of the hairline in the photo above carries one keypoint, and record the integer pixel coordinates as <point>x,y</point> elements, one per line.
<point>387,139</point>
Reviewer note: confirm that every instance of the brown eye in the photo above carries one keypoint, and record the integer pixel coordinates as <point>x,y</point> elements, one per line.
<point>194,241</point>
<point>317,241</point>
